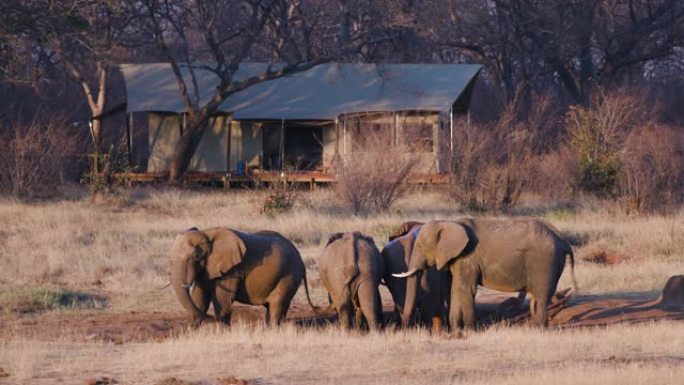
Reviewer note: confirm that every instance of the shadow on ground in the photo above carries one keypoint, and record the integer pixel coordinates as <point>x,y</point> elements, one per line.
<point>492,308</point>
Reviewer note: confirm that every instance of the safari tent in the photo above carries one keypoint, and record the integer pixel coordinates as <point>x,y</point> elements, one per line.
<point>308,119</point>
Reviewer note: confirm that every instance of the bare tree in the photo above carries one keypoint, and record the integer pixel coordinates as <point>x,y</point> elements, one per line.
<point>573,45</point>
<point>224,34</point>
<point>47,41</point>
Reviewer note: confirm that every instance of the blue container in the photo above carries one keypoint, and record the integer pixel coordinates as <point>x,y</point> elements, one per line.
<point>240,170</point>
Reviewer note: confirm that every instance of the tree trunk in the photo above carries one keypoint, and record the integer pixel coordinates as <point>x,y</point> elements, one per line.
<point>187,145</point>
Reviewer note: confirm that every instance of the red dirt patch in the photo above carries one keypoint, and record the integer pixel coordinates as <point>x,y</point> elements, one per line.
<point>126,327</point>
<point>492,307</point>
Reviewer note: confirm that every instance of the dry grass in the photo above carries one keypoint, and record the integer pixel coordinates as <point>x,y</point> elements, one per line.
<point>118,251</point>
<point>641,354</point>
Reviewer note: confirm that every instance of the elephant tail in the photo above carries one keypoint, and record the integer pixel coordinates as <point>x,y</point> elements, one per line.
<point>570,254</point>
<point>315,308</point>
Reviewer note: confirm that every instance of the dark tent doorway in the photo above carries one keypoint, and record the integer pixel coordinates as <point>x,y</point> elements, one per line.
<point>302,146</point>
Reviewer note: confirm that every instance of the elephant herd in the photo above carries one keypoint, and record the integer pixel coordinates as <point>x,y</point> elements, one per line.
<point>431,269</point>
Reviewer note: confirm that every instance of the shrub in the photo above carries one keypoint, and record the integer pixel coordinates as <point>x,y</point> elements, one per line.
<point>374,174</point>
<point>491,165</point>
<point>36,156</point>
<point>652,172</point>
<point>597,134</point>
<point>280,197</point>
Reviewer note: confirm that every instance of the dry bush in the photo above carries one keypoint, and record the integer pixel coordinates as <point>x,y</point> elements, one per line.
<point>555,175</point>
<point>280,196</point>
<point>36,156</point>
<point>491,165</point>
<point>597,134</point>
<point>652,168</point>
<point>374,174</point>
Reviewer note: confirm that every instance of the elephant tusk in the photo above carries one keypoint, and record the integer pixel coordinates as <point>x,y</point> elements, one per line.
<point>188,286</point>
<point>406,274</point>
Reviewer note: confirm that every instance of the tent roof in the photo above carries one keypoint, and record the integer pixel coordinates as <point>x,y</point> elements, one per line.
<point>323,92</point>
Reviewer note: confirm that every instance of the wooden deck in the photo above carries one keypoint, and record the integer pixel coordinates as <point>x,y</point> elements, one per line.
<point>227,180</point>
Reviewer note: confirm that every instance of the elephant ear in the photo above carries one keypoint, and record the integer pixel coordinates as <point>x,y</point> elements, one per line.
<point>227,251</point>
<point>334,237</point>
<point>404,229</point>
<point>451,240</point>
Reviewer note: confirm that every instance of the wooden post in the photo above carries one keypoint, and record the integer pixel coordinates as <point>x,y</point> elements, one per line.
<point>129,138</point>
<point>282,145</point>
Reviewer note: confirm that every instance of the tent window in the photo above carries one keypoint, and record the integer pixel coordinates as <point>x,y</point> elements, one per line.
<point>418,136</point>
<point>368,133</point>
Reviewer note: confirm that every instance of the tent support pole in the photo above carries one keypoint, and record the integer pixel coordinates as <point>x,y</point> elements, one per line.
<point>129,138</point>
<point>344,136</point>
<point>451,129</point>
<point>282,145</point>
<point>337,137</point>
<point>396,128</point>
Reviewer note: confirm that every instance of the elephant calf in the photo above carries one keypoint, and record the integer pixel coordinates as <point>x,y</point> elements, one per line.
<point>351,269</point>
<point>221,265</point>
<point>431,301</point>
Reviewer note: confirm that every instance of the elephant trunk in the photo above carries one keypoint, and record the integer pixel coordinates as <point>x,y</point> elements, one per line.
<point>179,272</point>
<point>411,296</point>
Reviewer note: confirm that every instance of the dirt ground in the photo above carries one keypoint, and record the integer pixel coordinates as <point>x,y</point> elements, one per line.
<point>493,307</point>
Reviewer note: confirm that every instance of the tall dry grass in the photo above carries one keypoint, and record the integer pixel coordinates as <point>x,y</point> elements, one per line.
<point>121,249</point>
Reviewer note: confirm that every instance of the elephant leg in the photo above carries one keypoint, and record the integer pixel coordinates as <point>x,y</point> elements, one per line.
<point>201,297</point>
<point>358,318</point>
<point>468,307</point>
<point>437,326</point>
<point>369,303</point>
<point>455,311</point>
<point>463,290</point>
<point>277,312</point>
<point>224,295</point>
<point>344,312</point>
<point>538,310</point>
<point>430,311</point>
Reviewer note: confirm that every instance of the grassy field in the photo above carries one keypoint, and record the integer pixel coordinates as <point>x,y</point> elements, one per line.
<point>72,256</point>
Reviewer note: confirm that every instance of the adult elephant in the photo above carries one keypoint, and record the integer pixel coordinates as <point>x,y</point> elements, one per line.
<point>221,265</point>
<point>351,269</point>
<point>433,287</point>
<point>519,254</point>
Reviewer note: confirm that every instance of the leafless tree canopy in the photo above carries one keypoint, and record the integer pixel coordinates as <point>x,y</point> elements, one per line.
<point>59,54</point>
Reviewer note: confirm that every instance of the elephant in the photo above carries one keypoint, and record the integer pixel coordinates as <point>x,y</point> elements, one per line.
<point>431,301</point>
<point>517,254</point>
<point>351,269</point>
<point>221,265</point>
